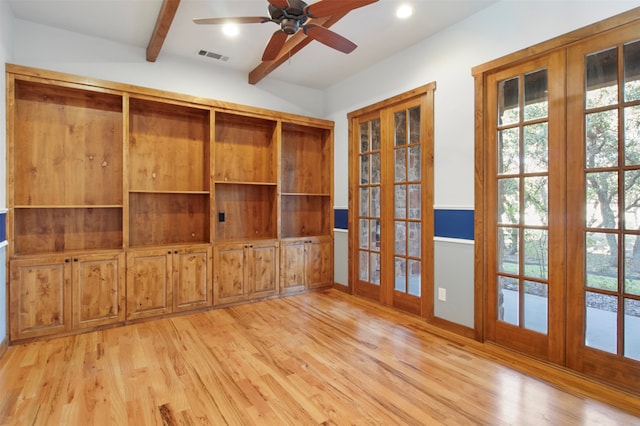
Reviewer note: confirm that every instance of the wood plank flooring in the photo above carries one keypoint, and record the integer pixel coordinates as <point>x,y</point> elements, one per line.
<point>314,359</point>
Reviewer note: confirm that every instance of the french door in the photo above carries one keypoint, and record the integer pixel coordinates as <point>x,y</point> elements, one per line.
<point>391,203</point>
<point>603,298</point>
<point>562,206</point>
<point>525,270</point>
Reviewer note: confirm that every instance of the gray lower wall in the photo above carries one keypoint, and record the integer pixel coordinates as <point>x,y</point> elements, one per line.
<point>453,271</point>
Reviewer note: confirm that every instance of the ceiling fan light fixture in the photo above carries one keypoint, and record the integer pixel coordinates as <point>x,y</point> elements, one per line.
<point>230,29</point>
<point>404,11</point>
<point>290,26</point>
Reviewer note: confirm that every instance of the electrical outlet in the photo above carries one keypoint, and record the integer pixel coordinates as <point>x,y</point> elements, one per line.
<point>442,294</point>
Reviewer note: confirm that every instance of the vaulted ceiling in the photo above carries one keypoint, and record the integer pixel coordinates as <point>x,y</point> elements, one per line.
<point>166,27</point>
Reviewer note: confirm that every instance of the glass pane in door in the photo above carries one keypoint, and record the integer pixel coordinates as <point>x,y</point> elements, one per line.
<point>536,302</point>
<point>632,71</point>
<point>508,300</point>
<point>632,329</point>
<point>400,265</point>
<point>601,321</point>
<point>601,70</point>
<point>632,135</point>
<point>415,274</point>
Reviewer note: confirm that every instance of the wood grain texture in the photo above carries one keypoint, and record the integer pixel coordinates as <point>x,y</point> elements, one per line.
<point>52,230</point>
<point>250,212</point>
<point>245,149</point>
<point>245,271</point>
<point>168,147</point>
<point>39,296</point>
<point>157,218</point>
<point>293,271</point>
<point>306,215</point>
<point>306,160</point>
<point>70,147</point>
<point>98,289</point>
<point>318,358</point>
<point>105,86</point>
<point>149,282</point>
<point>192,278</point>
<point>163,24</point>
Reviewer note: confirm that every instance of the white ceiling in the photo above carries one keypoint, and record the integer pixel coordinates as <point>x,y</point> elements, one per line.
<point>374,28</point>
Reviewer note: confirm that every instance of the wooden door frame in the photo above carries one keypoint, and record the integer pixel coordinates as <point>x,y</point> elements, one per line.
<point>479,74</point>
<point>614,369</point>
<point>548,346</point>
<point>425,95</point>
<point>580,356</point>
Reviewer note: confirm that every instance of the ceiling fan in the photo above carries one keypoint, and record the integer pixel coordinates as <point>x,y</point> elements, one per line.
<point>292,16</point>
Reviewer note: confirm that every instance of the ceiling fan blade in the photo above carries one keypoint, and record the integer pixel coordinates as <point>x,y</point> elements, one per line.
<point>324,8</point>
<point>329,38</point>
<point>275,45</point>
<point>279,3</point>
<point>237,20</point>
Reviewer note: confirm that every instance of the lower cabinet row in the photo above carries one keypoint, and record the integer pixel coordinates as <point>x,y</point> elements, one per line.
<point>59,293</point>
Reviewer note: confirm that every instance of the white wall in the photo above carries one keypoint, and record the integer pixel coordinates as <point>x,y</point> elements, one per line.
<point>6,43</point>
<point>447,58</point>
<point>59,50</point>
<point>6,50</point>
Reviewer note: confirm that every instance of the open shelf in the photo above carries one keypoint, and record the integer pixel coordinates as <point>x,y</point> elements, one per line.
<point>159,218</point>
<point>51,230</point>
<point>169,147</point>
<point>244,149</point>
<point>306,215</point>
<point>70,146</point>
<point>306,160</point>
<point>250,212</point>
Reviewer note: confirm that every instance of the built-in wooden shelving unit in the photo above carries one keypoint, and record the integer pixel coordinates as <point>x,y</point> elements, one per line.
<point>129,203</point>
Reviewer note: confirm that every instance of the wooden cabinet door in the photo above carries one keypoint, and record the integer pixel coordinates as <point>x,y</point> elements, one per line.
<point>192,278</point>
<point>229,283</point>
<point>292,270</point>
<point>149,283</point>
<point>98,289</point>
<point>319,262</point>
<point>263,268</point>
<point>39,295</point>
<point>306,263</point>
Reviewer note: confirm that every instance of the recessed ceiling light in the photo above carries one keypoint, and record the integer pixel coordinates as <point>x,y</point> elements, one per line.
<point>404,11</point>
<point>230,30</point>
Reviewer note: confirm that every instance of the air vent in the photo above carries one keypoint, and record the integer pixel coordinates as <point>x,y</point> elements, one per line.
<point>213,55</point>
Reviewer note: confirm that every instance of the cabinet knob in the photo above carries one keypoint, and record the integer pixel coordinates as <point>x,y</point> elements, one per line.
<point>175,251</point>
<point>168,251</point>
<point>75,259</point>
<point>67,260</point>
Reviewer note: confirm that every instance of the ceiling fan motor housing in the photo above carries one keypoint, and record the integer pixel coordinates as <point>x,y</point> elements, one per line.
<point>290,18</point>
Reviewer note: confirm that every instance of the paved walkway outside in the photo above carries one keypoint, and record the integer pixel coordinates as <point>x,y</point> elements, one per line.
<point>601,324</point>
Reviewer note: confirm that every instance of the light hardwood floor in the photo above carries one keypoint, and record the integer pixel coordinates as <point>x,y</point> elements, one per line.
<point>317,358</point>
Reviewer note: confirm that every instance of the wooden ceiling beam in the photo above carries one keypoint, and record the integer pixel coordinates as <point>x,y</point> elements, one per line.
<point>290,48</point>
<point>163,23</point>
